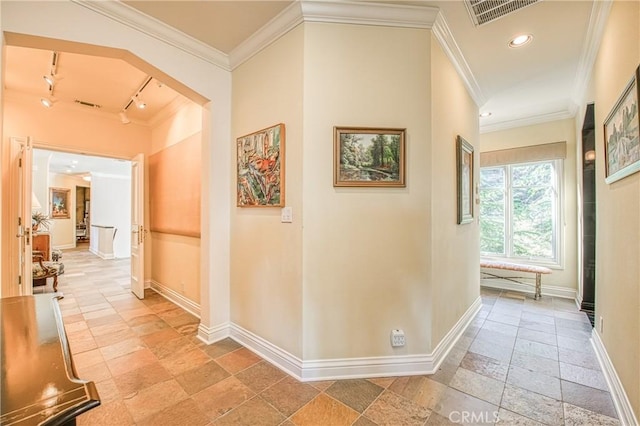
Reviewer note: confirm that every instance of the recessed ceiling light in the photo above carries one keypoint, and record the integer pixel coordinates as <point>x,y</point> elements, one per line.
<point>46,102</point>
<point>520,40</point>
<point>485,114</point>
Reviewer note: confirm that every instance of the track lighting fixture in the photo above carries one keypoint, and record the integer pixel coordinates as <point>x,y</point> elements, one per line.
<point>136,99</point>
<point>139,102</point>
<point>49,79</point>
<point>123,117</point>
<point>47,102</point>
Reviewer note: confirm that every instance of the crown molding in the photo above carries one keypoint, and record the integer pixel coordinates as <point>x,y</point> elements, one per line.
<point>450,46</point>
<point>137,20</point>
<point>570,112</point>
<point>284,22</point>
<point>597,22</point>
<point>362,13</point>
<point>341,12</point>
<point>344,12</point>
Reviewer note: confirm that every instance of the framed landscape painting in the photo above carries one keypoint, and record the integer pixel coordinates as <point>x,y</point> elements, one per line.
<point>622,134</point>
<point>364,156</point>
<point>260,177</point>
<point>464,159</point>
<point>60,203</point>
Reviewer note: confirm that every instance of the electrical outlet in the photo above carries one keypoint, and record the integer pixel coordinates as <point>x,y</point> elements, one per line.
<point>397,338</point>
<point>601,325</point>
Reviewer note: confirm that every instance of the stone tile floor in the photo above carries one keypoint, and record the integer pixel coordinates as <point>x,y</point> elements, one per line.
<point>522,362</point>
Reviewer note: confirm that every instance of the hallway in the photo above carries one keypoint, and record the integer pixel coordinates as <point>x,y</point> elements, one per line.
<point>522,361</point>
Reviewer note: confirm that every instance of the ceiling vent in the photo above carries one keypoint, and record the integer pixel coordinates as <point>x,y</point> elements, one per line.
<point>484,11</point>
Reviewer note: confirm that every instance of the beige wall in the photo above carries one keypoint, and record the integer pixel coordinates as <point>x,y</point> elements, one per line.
<point>554,131</point>
<point>176,258</point>
<point>361,264</point>
<point>618,208</point>
<point>455,261</point>
<point>365,250</point>
<point>266,255</point>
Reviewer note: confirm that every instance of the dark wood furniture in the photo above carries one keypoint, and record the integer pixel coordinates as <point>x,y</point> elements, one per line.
<point>42,243</point>
<point>42,271</point>
<point>39,382</point>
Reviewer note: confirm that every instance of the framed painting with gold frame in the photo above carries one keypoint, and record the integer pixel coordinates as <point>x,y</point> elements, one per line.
<point>366,156</point>
<point>465,171</point>
<point>622,134</point>
<point>59,203</point>
<point>260,168</point>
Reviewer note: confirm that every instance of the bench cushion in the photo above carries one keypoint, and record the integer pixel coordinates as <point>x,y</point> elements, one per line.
<point>509,266</point>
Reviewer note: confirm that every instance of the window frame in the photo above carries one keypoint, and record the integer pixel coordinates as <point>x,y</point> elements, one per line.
<point>558,217</point>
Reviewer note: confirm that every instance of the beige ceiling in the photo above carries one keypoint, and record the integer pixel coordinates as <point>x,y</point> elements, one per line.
<point>220,24</point>
<point>82,81</point>
<point>538,81</point>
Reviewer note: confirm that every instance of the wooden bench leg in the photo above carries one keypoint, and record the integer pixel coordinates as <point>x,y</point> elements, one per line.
<point>538,293</point>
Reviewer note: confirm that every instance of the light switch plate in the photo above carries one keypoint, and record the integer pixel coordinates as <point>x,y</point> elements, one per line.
<point>286,215</point>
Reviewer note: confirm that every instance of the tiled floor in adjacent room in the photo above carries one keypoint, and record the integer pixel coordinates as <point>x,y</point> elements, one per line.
<point>529,361</point>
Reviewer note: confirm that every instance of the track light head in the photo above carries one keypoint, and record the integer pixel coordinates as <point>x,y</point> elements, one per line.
<point>140,104</point>
<point>49,79</point>
<point>123,117</point>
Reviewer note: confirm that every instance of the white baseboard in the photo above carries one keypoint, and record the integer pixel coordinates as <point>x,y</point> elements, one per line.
<point>578,300</point>
<point>449,341</point>
<point>101,254</point>
<point>351,368</point>
<point>272,353</point>
<point>619,396</point>
<point>175,297</point>
<point>211,335</point>
<point>547,290</point>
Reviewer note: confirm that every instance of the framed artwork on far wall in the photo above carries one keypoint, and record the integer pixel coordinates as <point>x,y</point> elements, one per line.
<point>622,134</point>
<point>366,156</point>
<point>464,172</point>
<point>260,175</point>
<point>59,203</point>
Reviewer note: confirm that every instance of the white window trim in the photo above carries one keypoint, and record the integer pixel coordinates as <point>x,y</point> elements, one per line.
<point>559,224</point>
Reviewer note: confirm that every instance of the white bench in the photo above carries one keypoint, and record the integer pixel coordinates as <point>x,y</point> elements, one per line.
<point>509,266</point>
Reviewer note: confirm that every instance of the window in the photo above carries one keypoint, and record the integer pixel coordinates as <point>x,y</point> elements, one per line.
<point>520,211</point>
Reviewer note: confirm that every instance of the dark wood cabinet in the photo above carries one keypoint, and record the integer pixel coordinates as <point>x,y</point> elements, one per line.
<point>42,243</point>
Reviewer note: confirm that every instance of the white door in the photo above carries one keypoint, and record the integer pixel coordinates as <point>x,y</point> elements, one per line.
<point>21,171</point>
<point>137,226</point>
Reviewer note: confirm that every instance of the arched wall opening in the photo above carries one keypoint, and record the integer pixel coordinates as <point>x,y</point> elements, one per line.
<point>197,79</point>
